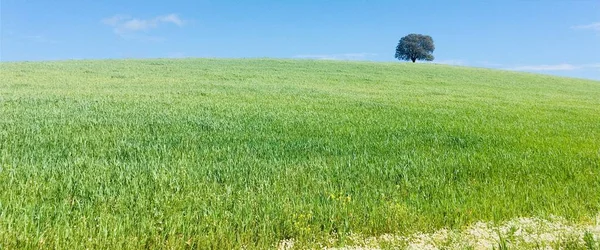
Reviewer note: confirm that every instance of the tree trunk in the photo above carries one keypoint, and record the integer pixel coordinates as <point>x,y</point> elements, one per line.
<point>413,59</point>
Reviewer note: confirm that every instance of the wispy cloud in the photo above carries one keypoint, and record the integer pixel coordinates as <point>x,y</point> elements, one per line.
<point>10,35</point>
<point>556,67</point>
<point>124,25</point>
<point>592,26</point>
<point>347,56</point>
<point>176,55</point>
<point>39,39</point>
<point>451,62</point>
<point>171,18</point>
<point>594,65</point>
<point>488,64</point>
<point>546,67</point>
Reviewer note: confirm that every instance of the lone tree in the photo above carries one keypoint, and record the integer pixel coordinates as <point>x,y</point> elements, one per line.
<point>415,47</point>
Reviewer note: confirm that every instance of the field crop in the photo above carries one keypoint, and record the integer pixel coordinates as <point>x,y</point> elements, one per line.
<point>229,154</point>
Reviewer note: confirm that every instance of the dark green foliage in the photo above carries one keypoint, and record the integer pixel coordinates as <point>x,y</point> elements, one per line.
<point>415,47</point>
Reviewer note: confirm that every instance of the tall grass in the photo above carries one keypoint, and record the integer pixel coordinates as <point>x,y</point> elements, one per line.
<point>201,153</point>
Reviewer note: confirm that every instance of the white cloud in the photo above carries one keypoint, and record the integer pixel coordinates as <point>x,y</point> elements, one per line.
<point>347,56</point>
<point>176,55</point>
<point>135,25</point>
<point>547,67</point>
<point>594,65</point>
<point>556,67</point>
<point>39,39</point>
<point>142,37</point>
<point>489,64</point>
<point>171,18</point>
<point>592,26</point>
<point>450,62</point>
<point>114,20</point>
<point>123,24</point>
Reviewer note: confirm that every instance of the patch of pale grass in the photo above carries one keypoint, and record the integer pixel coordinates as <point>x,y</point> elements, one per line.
<point>519,233</point>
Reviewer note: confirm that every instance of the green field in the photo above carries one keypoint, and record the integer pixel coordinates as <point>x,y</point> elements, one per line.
<point>230,154</point>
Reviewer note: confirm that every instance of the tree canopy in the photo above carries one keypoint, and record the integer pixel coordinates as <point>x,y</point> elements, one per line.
<point>415,47</point>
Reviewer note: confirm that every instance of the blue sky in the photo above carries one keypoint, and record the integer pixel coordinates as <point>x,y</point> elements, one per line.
<point>559,37</point>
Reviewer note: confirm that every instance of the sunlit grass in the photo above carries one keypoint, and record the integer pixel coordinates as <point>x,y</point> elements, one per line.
<point>246,153</point>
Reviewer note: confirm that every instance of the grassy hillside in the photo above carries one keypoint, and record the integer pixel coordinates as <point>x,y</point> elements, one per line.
<point>246,153</point>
